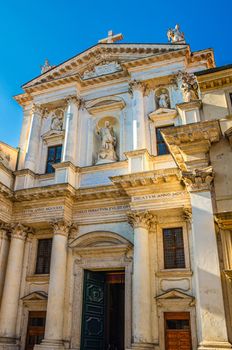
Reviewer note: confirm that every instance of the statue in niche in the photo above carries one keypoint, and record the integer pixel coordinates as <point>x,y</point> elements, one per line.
<point>57,120</point>
<point>163,98</point>
<point>175,35</point>
<point>189,86</point>
<point>108,143</point>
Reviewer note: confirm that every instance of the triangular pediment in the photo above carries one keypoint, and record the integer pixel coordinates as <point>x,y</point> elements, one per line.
<point>175,294</point>
<point>103,59</point>
<point>163,114</point>
<point>35,296</point>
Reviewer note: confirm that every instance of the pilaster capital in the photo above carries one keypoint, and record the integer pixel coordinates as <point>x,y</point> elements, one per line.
<point>137,85</point>
<point>142,219</point>
<point>73,231</point>
<point>4,231</point>
<point>198,180</point>
<point>38,110</point>
<point>19,231</point>
<point>187,214</point>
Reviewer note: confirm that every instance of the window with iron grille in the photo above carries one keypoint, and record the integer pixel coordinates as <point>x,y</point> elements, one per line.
<point>54,156</point>
<point>43,256</point>
<point>161,145</point>
<point>173,248</point>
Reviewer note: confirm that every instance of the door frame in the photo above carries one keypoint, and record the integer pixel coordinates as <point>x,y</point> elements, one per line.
<point>112,256</point>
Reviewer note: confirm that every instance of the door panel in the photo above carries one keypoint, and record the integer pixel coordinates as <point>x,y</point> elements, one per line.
<point>177,329</point>
<point>93,311</point>
<point>35,328</point>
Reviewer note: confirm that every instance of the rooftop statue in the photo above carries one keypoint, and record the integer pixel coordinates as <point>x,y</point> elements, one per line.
<point>175,35</point>
<point>46,67</point>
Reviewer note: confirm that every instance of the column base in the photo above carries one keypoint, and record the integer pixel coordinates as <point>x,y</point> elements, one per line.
<point>50,345</point>
<point>207,345</point>
<point>8,344</point>
<point>142,346</point>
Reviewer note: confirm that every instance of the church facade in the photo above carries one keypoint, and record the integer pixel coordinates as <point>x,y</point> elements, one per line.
<point>116,209</point>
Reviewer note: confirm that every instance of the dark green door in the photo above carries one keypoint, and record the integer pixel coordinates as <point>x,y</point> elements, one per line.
<point>94,311</point>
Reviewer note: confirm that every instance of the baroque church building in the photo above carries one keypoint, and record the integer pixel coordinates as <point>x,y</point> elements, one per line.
<point>116,208</point>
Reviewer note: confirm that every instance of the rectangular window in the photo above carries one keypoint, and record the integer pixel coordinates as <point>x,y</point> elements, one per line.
<point>54,156</point>
<point>43,256</point>
<point>161,145</point>
<point>173,248</point>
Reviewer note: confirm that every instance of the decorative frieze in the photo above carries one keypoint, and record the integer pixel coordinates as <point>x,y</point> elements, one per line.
<point>140,219</point>
<point>198,180</point>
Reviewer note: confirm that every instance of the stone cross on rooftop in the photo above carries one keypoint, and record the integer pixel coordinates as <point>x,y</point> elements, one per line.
<point>111,38</point>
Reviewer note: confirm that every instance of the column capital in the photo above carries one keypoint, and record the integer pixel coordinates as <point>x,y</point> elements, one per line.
<point>38,109</point>
<point>61,227</point>
<point>137,85</point>
<point>199,180</point>
<point>4,230</point>
<point>140,219</point>
<point>76,100</point>
<point>73,231</point>
<point>19,231</point>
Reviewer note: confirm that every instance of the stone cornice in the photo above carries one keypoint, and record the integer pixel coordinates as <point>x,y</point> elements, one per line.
<point>224,220</point>
<point>188,140</point>
<point>198,180</point>
<point>147,178</point>
<point>215,80</point>
<point>140,219</point>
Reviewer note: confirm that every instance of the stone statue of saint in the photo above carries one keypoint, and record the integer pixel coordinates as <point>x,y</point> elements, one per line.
<point>46,67</point>
<point>163,100</point>
<point>175,35</point>
<point>108,143</point>
<point>189,86</point>
<point>57,121</point>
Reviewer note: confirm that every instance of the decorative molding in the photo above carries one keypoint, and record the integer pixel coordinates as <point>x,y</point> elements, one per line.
<point>198,180</point>
<point>175,296</point>
<point>140,219</point>
<point>102,69</point>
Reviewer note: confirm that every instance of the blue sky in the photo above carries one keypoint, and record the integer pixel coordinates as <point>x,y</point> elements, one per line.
<point>30,31</point>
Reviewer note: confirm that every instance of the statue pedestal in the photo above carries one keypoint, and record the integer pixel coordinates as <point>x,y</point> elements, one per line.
<point>190,111</point>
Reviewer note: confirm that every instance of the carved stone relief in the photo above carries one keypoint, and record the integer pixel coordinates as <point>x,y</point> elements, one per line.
<point>162,98</point>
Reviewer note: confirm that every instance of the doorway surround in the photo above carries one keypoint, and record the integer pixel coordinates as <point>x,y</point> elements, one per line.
<point>100,251</point>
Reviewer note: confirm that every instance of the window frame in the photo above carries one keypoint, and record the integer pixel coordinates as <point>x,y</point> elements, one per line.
<point>36,272</point>
<point>157,133</point>
<point>54,162</point>
<point>174,248</point>
<point>160,247</point>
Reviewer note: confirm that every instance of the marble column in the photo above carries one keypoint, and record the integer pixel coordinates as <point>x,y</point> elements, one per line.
<point>71,127</point>
<point>53,338</point>
<point>31,159</point>
<point>11,290</point>
<point>211,325</point>
<point>137,89</point>
<point>141,293</point>
<point>4,250</point>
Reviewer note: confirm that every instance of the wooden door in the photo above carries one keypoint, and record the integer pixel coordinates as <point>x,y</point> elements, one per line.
<point>93,314</point>
<point>35,328</point>
<point>177,331</point>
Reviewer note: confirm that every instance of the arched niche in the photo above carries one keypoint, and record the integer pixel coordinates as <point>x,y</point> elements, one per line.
<point>162,98</point>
